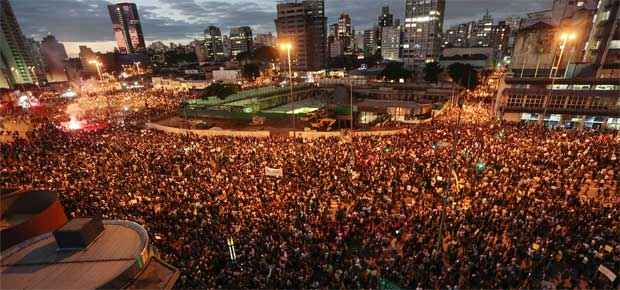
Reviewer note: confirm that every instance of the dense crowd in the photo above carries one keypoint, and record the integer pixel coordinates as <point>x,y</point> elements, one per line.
<point>486,206</point>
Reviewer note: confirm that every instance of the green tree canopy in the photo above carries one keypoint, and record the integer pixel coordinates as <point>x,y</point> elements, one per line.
<point>464,74</point>
<point>250,71</point>
<point>220,90</point>
<point>432,70</point>
<point>395,71</point>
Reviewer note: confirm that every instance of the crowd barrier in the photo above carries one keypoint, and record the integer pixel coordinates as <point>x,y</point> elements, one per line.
<point>209,133</point>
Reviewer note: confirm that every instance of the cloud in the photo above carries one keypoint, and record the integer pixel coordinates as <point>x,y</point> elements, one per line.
<point>88,20</point>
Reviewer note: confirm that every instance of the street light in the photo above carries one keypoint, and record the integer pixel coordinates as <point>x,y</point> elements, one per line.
<point>98,65</point>
<point>33,76</point>
<point>137,63</point>
<point>288,46</point>
<point>564,37</point>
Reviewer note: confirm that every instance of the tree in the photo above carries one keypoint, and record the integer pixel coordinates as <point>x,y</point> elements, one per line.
<point>250,71</point>
<point>220,90</point>
<point>432,70</point>
<point>464,74</point>
<point>395,71</point>
<point>245,57</point>
<point>266,54</point>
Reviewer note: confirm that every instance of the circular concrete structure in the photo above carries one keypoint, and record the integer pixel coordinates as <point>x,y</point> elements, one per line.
<point>28,213</point>
<point>113,260</point>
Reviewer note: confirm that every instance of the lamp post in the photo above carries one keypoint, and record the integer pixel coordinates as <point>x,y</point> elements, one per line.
<point>288,47</point>
<point>564,37</point>
<point>98,65</point>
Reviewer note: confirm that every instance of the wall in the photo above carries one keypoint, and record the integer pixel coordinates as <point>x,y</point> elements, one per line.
<point>209,133</point>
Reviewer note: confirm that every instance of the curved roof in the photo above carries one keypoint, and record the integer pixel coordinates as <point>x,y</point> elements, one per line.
<point>111,260</point>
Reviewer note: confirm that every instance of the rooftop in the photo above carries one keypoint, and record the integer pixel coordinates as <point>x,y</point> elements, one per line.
<point>109,261</point>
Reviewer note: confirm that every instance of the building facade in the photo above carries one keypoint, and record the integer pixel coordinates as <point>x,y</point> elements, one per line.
<point>39,66</point>
<point>127,27</point>
<point>87,55</point>
<point>386,18</point>
<point>458,35</point>
<point>241,40</point>
<point>423,30</point>
<point>214,43</point>
<point>603,46</point>
<point>371,41</point>
<point>54,54</point>
<point>16,63</point>
<point>264,39</point>
<point>345,32</point>
<point>557,66</point>
<point>303,24</point>
<point>391,42</point>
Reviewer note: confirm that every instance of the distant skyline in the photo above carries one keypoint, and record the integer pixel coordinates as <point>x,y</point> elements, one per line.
<point>86,22</point>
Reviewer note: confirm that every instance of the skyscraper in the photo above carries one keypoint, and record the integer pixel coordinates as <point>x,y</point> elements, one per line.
<point>240,39</point>
<point>345,32</point>
<point>386,18</point>
<point>423,28</point>
<point>127,27</point>
<point>264,39</point>
<point>391,42</point>
<point>371,41</point>
<point>54,55</point>
<point>16,65</point>
<point>214,43</point>
<point>38,67</point>
<point>303,24</point>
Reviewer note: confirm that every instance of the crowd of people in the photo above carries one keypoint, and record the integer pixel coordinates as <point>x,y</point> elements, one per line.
<point>481,205</point>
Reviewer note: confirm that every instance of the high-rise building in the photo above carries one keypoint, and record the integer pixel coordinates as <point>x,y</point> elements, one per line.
<point>54,54</point>
<point>391,42</point>
<point>38,67</point>
<point>358,42</point>
<point>603,47</point>
<point>240,40</point>
<point>264,39</point>
<point>386,18</point>
<point>214,43</point>
<point>500,38</point>
<point>87,57</point>
<point>303,24</point>
<point>345,32</point>
<point>459,35</point>
<point>371,41</point>
<point>127,27</point>
<point>423,28</point>
<point>336,46</point>
<point>16,64</point>
<point>226,47</point>
<point>481,36</point>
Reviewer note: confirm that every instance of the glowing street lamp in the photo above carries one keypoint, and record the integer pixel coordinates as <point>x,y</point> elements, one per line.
<point>137,63</point>
<point>288,46</point>
<point>565,38</point>
<point>98,65</point>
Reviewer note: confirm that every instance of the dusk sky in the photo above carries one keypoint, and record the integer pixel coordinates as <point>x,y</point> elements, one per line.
<point>76,22</point>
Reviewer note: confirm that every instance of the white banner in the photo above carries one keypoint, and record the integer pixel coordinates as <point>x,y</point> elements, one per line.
<point>273,172</point>
<point>608,273</point>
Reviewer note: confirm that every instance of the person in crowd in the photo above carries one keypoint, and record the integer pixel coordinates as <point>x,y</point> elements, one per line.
<point>474,205</point>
